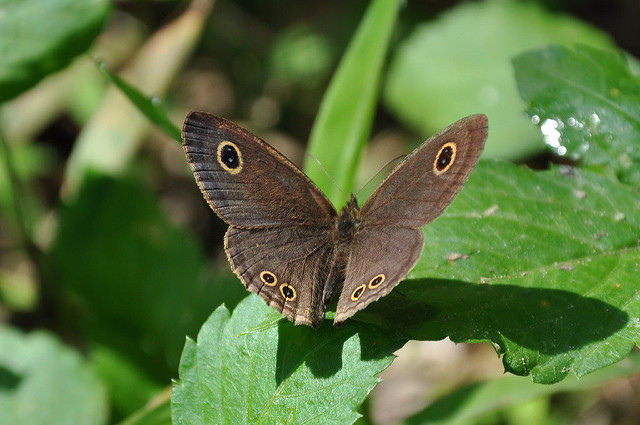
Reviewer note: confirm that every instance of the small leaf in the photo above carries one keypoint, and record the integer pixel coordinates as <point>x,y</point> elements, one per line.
<point>280,374</point>
<point>44,382</point>
<point>38,38</point>
<point>151,107</point>
<point>300,56</point>
<point>587,103</point>
<point>109,141</point>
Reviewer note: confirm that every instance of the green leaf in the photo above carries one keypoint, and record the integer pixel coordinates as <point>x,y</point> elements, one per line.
<point>587,103</point>
<point>44,382</point>
<point>542,264</point>
<point>344,120</point>
<point>151,107</point>
<point>241,371</point>
<point>472,402</point>
<point>38,38</point>
<point>458,65</point>
<point>142,281</point>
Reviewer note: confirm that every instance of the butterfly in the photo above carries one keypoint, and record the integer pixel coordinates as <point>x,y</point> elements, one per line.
<point>286,241</point>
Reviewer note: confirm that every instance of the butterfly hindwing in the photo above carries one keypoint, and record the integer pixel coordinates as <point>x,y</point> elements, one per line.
<point>380,258</point>
<point>286,266</point>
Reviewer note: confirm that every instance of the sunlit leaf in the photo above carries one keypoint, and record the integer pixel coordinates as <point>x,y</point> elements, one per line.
<point>587,104</point>
<point>240,371</point>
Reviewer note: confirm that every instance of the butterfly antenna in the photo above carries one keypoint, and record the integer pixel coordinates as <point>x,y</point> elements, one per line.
<point>329,175</point>
<point>380,171</point>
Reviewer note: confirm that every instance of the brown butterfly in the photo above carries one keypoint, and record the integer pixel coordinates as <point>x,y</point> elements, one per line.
<point>286,241</point>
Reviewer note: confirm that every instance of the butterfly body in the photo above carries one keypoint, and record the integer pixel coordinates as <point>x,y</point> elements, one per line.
<point>286,241</point>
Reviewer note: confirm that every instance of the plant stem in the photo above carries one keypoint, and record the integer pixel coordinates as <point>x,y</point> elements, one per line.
<point>16,201</point>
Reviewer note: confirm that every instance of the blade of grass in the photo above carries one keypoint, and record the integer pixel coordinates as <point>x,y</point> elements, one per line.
<point>151,107</point>
<point>48,291</point>
<point>16,200</point>
<point>344,120</point>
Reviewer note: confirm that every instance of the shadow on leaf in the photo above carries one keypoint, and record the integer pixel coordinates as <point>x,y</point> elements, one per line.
<point>323,349</point>
<point>549,321</point>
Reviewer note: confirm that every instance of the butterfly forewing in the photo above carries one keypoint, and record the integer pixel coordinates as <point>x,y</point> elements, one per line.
<point>425,183</point>
<point>246,181</point>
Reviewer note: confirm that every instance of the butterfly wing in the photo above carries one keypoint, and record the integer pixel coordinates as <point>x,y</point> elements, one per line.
<point>425,183</point>
<point>277,242</point>
<point>247,182</point>
<point>286,266</point>
<point>380,258</point>
<point>415,193</point>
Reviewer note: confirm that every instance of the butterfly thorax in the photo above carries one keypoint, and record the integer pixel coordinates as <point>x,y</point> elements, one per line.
<point>342,232</point>
<point>348,221</point>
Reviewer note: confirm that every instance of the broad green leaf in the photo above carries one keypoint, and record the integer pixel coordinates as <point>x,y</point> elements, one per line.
<point>543,264</point>
<point>141,280</point>
<point>38,38</point>
<point>149,106</point>
<point>241,371</point>
<point>459,65</point>
<point>473,401</point>
<point>44,382</point>
<point>344,120</point>
<point>587,103</point>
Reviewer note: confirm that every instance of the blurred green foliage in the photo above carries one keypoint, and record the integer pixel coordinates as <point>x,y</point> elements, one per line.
<point>109,257</point>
